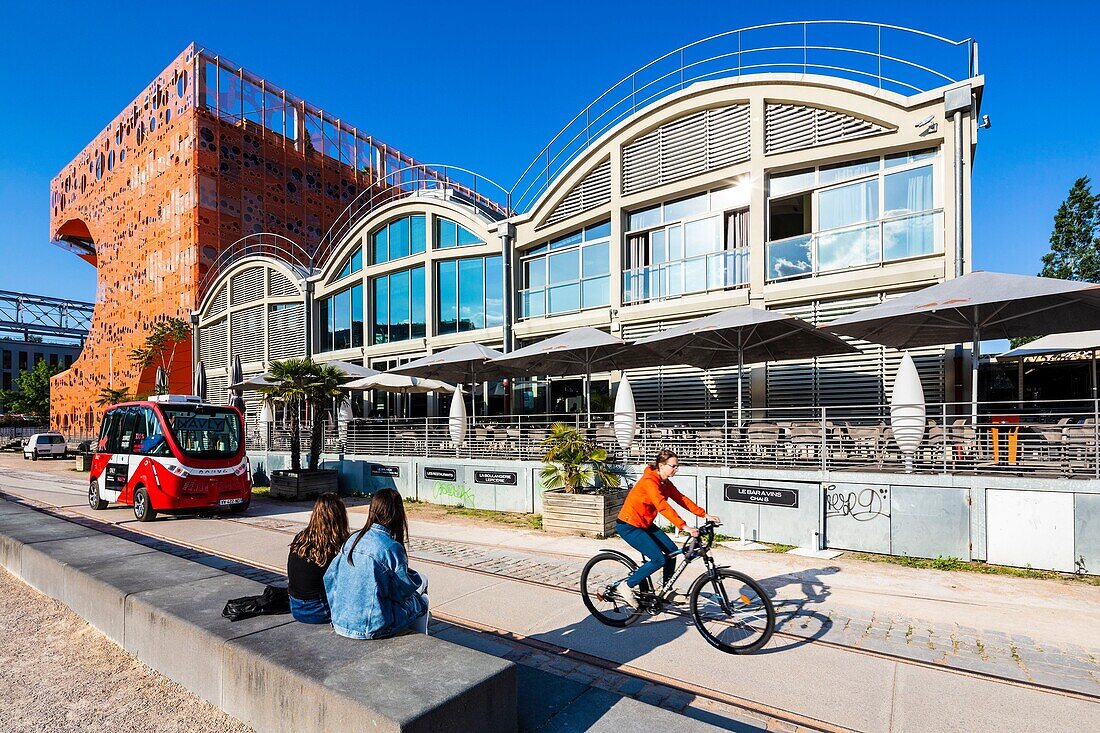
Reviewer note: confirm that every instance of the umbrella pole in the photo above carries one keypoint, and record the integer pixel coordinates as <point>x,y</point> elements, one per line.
<point>975,355</point>
<point>1094,375</point>
<point>740,368</point>
<point>1020,381</point>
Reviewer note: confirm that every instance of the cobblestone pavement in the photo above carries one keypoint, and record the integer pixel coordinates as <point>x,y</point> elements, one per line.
<point>1021,658</point>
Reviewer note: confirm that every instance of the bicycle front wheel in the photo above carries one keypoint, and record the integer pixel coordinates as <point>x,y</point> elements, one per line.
<point>732,611</point>
<point>605,592</point>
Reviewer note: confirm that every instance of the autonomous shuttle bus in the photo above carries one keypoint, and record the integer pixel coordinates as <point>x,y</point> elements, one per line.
<point>171,453</point>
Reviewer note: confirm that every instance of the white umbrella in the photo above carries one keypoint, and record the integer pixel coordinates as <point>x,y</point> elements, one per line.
<point>907,410</point>
<point>626,416</point>
<point>343,414</point>
<point>456,423</point>
<point>399,383</point>
<point>1058,343</point>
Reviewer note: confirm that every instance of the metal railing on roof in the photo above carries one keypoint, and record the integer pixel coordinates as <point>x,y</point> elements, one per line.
<point>263,244</point>
<point>879,55</point>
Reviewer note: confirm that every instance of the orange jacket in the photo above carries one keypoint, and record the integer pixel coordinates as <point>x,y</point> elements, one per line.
<point>649,496</point>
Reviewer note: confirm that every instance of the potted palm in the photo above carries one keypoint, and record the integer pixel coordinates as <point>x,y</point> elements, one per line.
<point>296,382</point>
<point>582,493</point>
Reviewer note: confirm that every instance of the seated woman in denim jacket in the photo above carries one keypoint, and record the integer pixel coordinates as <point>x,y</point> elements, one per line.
<point>370,588</point>
<point>311,552</point>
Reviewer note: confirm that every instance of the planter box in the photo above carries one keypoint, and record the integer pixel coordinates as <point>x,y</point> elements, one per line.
<point>588,515</point>
<point>83,461</point>
<point>304,484</point>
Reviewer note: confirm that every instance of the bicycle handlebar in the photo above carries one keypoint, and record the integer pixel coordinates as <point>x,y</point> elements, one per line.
<point>704,541</point>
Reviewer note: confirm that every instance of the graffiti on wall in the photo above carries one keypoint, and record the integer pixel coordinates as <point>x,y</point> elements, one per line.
<point>862,504</point>
<point>455,491</point>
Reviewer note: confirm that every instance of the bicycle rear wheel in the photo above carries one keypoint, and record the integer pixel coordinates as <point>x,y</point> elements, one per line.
<point>732,611</point>
<point>605,592</point>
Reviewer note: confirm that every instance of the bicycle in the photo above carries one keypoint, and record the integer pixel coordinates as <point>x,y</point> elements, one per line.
<point>736,623</point>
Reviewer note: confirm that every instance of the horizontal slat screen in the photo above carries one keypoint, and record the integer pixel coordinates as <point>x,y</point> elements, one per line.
<point>213,350</point>
<point>593,191</point>
<point>286,333</point>
<point>279,285</point>
<point>247,286</point>
<point>795,127</point>
<point>247,333</point>
<point>687,146</point>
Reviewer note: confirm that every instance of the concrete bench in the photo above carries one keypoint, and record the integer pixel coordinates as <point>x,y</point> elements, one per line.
<point>269,671</point>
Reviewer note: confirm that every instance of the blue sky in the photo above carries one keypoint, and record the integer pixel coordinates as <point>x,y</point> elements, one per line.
<point>485,85</point>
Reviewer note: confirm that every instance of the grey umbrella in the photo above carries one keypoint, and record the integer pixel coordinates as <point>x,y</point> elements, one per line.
<point>352,371</point>
<point>466,363</point>
<point>236,376</point>
<point>580,351</point>
<point>743,335</point>
<point>991,305</point>
<point>162,381</point>
<point>200,381</point>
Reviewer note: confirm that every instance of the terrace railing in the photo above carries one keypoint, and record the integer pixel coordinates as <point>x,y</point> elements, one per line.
<point>1050,439</point>
<point>888,57</point>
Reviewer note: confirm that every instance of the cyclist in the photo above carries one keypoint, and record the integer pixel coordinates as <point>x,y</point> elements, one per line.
<point>648,498</point>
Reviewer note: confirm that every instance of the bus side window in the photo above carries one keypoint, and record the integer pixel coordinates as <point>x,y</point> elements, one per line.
<point>154,443</point>
<point>112,422</point>
<point>129,423</point>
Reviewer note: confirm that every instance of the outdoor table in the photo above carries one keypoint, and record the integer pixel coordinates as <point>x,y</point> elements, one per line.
<point>1011,427</point>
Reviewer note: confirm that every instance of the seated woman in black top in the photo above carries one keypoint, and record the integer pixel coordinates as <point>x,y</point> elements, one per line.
<point>311,551</point>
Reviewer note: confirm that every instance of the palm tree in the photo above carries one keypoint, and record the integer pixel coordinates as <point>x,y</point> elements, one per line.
<point>291,380</point>
<point>108,397</point>
<point>573,463</point>
<point>325,388</point>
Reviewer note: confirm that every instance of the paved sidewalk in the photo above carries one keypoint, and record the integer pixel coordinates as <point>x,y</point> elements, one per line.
<point>881,608</point>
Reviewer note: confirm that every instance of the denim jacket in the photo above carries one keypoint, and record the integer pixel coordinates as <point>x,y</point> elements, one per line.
<point>377,596</point>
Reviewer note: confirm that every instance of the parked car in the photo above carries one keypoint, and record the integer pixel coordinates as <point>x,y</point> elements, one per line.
<point>44,445</point>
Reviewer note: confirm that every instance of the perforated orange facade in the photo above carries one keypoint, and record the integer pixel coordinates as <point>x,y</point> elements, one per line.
<point>207,154</point>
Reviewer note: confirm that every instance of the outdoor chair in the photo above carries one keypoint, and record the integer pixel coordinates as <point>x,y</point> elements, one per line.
<point>1047,441</point>
<point>1079,443</point>
<point>861,442</point>
<point>805,440</point>
<point>763,440</point>
<point>711,445</point>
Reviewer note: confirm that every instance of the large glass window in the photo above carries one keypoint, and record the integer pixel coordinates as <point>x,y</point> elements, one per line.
<point>568,274</point>
<point>340,320</point>
<point>853,214</point>
<point>353,265</point>
<point>688,245</point>
<point>204,432</point>
<point>452,234</point>
<point>400,238</point>
<point>469,294</point>
<point>398,306</point>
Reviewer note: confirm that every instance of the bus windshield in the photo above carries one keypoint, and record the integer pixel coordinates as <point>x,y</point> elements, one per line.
<point>204,432</point>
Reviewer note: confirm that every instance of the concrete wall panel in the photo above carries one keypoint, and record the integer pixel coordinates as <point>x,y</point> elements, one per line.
<point>927,521</point>
<point>857,517</point>
<point>1086,522</point>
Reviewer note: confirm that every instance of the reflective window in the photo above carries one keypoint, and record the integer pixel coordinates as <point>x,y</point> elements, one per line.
<point>340,320</point>
<point>469,294</point>
<point>684,246</point>
<point>400,238</point>
<point>353,265</point>
<point>853,214</point>
<point>452,234</point>
<point>569,274</point>
<point>398,306</point>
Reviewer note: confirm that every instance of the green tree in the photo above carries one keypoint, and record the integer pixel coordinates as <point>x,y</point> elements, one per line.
<point>160,345</point>
<point>31,395</point>
<point>571,463</point>
<point>1075,241</point>
<point>295,382</point>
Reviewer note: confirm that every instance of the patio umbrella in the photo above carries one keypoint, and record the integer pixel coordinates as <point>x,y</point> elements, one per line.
<point>991,305</point>
<point>743,335</point>
<point>161,381</point>
<point>352,371</point>
<point>580,351</point>
<point>400,383</point>
<point>236,390</point>
<point>257,381</point>
<point>200,382</point>
<point>1058,343</point>
<point>464,364</point>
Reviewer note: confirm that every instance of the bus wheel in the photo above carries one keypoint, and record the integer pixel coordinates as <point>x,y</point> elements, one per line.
<point>93,497</point>
<point>143,510</point>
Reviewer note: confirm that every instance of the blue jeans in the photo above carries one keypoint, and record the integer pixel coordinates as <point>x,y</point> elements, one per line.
<point>655,545</point>
<point>314,611</point>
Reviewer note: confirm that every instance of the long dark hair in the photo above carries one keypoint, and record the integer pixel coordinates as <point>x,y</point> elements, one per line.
<point>387,509</point>
<point>326,532</point>
<point>661,458</point>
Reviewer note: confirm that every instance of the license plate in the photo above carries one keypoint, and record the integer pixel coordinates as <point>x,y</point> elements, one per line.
<point>227,502</point>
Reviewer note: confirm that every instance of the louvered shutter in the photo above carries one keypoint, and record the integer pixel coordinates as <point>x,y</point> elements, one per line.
<point>212,345</point>
<point>281,286</point>
<point>687,146</point>
<point>217,390</point>
<point>795,127</point>
<point>247,333</point>
<point>285,333</point>
<point>593,191</point>
<point>218,304</point>
<point>247,286</point>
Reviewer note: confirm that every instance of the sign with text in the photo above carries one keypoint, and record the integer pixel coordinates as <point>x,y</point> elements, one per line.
<point>378,469</point>
<point>440,474</point>
<point>761,495</point>
<point>496,478</point>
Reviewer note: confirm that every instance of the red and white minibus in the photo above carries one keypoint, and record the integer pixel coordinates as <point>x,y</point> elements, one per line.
<point>171,453</point>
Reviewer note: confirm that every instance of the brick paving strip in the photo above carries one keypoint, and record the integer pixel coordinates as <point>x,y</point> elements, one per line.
<point>1020,658</point>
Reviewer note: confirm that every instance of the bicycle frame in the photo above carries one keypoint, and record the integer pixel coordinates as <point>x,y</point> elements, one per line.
<point>703,551</point>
